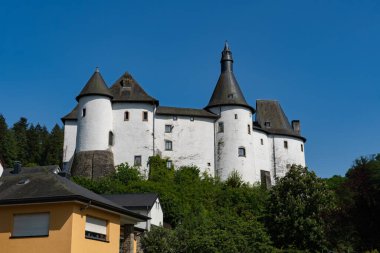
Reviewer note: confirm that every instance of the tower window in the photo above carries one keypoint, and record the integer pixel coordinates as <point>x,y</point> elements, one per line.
<point>126,116</point>
<point>110,138</point>
<point>168,145</point>
<point>241,151</point>
<point>286,144</point>
<point>84,112</point>
<point>220,127</point>
<point>236,116</point>
<point>169,164</point>
<point>301,147</point>
<point>168,128</point>
<point>249,129</point>
<point>262,141</point>
<point>137,161</point>
<point>145,116</point>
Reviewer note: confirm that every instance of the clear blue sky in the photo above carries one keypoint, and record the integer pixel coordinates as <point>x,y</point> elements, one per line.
<point>320,59</point>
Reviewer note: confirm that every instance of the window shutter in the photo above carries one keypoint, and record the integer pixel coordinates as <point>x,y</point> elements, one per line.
<point>96,225</point>
<point>31,224</point>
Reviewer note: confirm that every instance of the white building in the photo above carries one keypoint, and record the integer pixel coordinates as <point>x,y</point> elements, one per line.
<point>123,123</point>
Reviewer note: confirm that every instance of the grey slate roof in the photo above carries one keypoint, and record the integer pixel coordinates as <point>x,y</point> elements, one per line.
<point>165,110</point>
<point>227,90</point>
<point>271,111</point>
<point>126,89</point>
<point>44,187</point>
<point>71,115</point>
<point>134,200</point>
<point>95,86</point>
<point>26,170</point>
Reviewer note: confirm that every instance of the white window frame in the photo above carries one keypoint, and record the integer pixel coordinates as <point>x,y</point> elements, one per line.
<point>31,225</point>
<point>168,128</point>
<point>242,152</point>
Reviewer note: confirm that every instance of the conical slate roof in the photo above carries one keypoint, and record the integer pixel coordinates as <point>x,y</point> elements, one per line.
<point>227,90</point>
<point>95,86</point>
<point>126,89</point>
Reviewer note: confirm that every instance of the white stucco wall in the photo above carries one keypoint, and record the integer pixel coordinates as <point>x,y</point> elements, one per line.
<point>285,157</point>
<point>93,129</point>
<point>227,143</point>
<point>1,169</point>
<point>261,154</point>
<point>69,140</point>
<point>193,141</point>
<point>155,213</point>
<point>133,137</point>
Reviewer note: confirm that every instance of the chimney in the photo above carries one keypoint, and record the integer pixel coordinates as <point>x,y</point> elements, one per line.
<point>16,167</point>
<point>296,126</point>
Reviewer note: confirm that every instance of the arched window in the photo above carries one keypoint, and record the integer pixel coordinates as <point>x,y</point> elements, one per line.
<point>241,151</point>
<point>110,138</point>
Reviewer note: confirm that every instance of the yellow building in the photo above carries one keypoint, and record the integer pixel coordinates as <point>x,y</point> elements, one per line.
<point>44,212</point>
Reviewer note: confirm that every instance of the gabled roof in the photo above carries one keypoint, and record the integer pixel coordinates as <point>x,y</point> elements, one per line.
<point>227,90</point>
<point>165,110</point>
<point>134,200</point>
<point>95,86</point>
<point>126,89</point>
<point>44,187</point>
<point>271,111</point>
<point>71,115</point>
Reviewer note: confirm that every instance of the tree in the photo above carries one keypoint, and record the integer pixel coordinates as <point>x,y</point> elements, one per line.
<point>7,144</point>
<point>53,149</point>
<point>20,133</point>
<point>296,209</point>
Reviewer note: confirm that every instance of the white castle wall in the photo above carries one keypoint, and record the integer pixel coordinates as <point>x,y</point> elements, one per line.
<point>227,143</point>
<point>93,129</point>
<point>261,154</point>
<point>285,157</point>
<point>133,137</point>
<point>193,141</point>
<point>70,138</point>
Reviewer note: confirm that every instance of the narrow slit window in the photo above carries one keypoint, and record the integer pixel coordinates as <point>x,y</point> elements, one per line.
<point>110,138</point>
<point>84,112</point>
<point>249,129</point>
<point>301,147</point>
<point>145,116</point>
<point>262,141</point>
<point>236,116</point>
<point>126,116</point>
<point>286,144</point>
<point>220,127</point>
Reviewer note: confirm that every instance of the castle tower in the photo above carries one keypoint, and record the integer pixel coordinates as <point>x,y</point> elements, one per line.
<point>233,128</point>
<point>94,116</point>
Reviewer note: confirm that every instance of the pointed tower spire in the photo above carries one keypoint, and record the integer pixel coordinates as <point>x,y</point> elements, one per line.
<point>227,90</point>
<point>95,86</point>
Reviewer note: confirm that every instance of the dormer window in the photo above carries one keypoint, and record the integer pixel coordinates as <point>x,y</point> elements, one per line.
<point>267,124</point>
<point>230,96</point>
<point>122,83</point>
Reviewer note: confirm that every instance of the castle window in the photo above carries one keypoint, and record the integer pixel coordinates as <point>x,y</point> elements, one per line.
<point>208,164</point>
<point>267,124</point>
<point>96,229</point>
<point>110,138</point>
<point>236,116</point>
<point>145,116</point>
<point>286,144</point>
<point>262,141</point>
<point>168,128</point>
<point>84,112</point>
<point>168,145</point>
<point>230,96</point>
<point>241,151</point>
<point>169,164</point>
<point>126,116</point>
<point>191,118</point>
<point>301,147</point>
<point>220,127</point>
<point>30,225</point>
<point>174,118</point>
<point>137,161</point>
<point>249,129</point>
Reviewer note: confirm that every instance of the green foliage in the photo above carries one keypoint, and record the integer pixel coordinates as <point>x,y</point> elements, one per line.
<point>125,173</point>
<point>296,209</point>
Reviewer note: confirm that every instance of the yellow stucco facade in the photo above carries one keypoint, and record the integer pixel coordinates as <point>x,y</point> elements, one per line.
<point>66,229</point>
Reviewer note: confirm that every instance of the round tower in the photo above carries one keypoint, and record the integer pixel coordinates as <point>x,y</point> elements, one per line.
<point>233,128</point>
<point>94,116</point>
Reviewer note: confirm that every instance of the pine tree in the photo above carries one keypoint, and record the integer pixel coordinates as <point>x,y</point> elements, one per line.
<point>7,144</point>
<point>20,133</point>
<point>54,145</point>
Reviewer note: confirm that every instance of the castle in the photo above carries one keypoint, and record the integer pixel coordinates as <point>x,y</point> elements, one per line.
<point>110,126</point>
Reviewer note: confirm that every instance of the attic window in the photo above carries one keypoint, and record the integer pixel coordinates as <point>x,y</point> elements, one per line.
<point>262,141</point>
<point>267,124</point>
<point>122,83</point>
<point>230,96</point>
<point>236,116</point>
<point>110,138</point>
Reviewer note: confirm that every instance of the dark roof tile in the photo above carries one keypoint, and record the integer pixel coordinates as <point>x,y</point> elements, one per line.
<point>95,86</point>
<point>165,110</point>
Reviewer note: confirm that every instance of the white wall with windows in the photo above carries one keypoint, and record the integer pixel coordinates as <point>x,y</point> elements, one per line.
<point>186,140</point>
